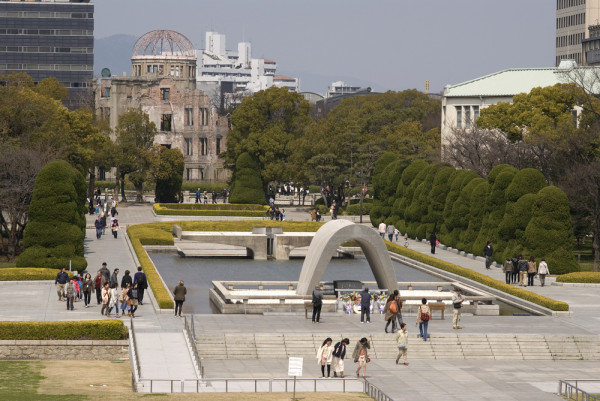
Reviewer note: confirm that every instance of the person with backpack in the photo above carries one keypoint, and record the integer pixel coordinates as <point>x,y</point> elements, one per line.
<point>457,301</point>
<point>142,284</point>
<point>523,267</point>
<point>508,268</point>
<point>391,308</point>
<point>423,316</point>
<point>399,302</point>
<point>339,353</point>
<point>317,302</point>
<point>133,295</point>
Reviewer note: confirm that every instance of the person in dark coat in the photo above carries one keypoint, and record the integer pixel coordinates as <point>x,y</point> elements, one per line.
<point>339,353</point>
<point>488,251</point>
<point>179,297</point>
<point>126,280</point>
<point>365,305</point>
<point>433,241</point>
<point>142,283</point>
<point>317,302</point>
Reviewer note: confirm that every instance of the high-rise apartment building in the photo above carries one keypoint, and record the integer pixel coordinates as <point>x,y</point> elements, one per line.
<point>573,18</point>
<point>49,38</point>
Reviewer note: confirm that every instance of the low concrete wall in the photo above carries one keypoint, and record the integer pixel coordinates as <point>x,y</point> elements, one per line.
<point>64,349</point>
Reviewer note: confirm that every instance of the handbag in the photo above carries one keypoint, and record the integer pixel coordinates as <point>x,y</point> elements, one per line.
<point>402,346</point>
<point>368,359</point>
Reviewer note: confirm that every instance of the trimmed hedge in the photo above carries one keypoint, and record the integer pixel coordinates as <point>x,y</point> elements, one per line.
<point>29,273</point>
<point>64,330</point>
<point>161,234</point>
<point>480,278</point>
<point>579,277</point>
<point>197,209</point>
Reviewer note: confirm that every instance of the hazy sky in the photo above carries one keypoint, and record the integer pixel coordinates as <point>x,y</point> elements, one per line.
<point>389,45</point>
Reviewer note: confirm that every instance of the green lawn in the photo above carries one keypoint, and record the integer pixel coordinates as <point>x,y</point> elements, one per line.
<point>20,381</point>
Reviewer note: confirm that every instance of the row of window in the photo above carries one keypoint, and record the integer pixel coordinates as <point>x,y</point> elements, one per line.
<point>47,32</point>
<point>46,49</point>
<point>560,4</point>
<point>570,20</point>
<point>570,40</point>
<point>47,67</point>
<point>166,120</point>
<point>44,14</point>
<point>466,116</point>
<point>189,146</point>
<point>572,56</point>
<point>175,70</point>
<point>224,74</point>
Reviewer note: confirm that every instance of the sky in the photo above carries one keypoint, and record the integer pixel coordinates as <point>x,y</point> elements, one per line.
<point>385,44</point>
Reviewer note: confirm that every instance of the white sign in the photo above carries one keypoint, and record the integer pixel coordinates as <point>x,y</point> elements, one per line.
<point>295,366</point>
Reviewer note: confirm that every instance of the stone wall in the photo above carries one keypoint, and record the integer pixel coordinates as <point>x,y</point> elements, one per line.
<point>64,349</point>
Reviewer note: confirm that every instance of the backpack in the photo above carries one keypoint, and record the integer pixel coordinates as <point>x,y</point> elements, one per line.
<point>393,307</point>
<point>424,316</point>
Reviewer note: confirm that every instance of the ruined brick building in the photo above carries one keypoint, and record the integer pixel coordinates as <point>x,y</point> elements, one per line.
<point>163,84</point>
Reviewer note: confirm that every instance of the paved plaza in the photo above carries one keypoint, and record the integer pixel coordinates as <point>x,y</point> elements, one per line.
<point>450,376</point>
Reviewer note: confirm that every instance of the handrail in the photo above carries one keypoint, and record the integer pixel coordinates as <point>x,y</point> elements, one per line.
<point>133,355</point>
<point>573,392</point>
<point>374,392</point>
<point>258,385</point>
<point>196,356</point>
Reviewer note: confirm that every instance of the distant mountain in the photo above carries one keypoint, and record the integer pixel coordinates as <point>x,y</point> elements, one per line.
<point>114,52</point>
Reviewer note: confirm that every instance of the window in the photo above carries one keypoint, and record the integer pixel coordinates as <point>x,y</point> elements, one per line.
<point>201,174</point>
<point>458,117</point>
<point>467,116</point>
<point>203,146</point>
<point>165,122</point>
<point>204,115</point>
<point>188,174</point>
<point>189,116</point>
<point>219,144</point>
<point>188,147</point>
<point>164,93</point>
<point>106,92</point>
<point>475,114</point>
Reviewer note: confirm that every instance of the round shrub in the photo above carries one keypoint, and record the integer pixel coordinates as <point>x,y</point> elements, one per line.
<point>247,185</point>
<point>526,181</point>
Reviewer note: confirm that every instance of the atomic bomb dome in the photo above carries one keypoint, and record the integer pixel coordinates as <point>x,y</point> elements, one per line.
<point>163,53</point>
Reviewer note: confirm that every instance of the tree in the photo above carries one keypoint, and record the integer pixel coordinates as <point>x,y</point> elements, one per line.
<point>54,235</point>
<point>168,175</point>
<point>136,153</point>
<point>264,126</point>
<point>50,87</point>
<point>246,185</point>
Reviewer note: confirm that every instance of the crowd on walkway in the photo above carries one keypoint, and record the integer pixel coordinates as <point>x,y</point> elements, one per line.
<point>122,296</point>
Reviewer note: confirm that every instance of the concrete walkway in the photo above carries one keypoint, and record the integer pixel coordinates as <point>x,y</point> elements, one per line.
<point>424,379</point>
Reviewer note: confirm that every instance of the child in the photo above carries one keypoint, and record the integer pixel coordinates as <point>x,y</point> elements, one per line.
<point>406,241</point>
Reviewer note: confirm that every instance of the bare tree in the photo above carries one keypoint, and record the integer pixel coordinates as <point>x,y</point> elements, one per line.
<point>18,169</point>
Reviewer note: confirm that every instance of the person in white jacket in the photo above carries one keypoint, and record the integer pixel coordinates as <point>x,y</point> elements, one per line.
<point>402,341</point>
<point>542,271</point>
<point>325,356</point>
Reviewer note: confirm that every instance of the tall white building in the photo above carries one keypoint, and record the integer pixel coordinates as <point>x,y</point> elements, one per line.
<point>573,17</point>
<point>225,71</point>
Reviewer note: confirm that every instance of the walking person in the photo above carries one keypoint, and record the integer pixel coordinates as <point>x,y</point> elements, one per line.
<point>423,316</point>
<point>339,353</point>
<point>523,267</point>
<point>402,342</point>
<point>508,268</point>
<point>515,271</point>
<point>88,288</point>
<point>488,251</point>
<point>62,278</point>
<point>103,222</point>
<point>98,225</point>
<point>113,300</point>
<point>457,301</point>
<point>317,302</point>
<point>390,310</point>
<point>531,271</point>
<point>114,226</point>
<point>179,296</point>
<point>390,232</point>
<point>133,295</point>
<point>325,356</point>
<point>126,279</point>
<point>382,228</point>
<point>543,271</point>
<point>114,278</point>
<point>105,298</point>
<point>433,242</point>
<point>98,286</point>
<point>124,300</point>
<point>142,284</point>
<point>399,303</point>
<point>70,291</point>
<point>105,274</point>
<point>365,305</point>
<point>360,355</point>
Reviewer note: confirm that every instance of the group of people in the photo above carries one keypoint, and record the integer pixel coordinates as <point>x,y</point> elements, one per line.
<point>315,215</point>
<point>391,232</point>
<point>100,224</point>
<point>328,355</point>
<point>106,287</point>
<point>275,213</point>
<point>202,197</point>
<point>524,271</point>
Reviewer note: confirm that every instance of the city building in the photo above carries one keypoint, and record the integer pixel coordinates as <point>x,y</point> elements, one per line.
<point>339,88</point>
<point>49,38</point>
<point>222,73</point>
<point>163,85</point>
<point>462,103</point>
<point>573,17</point>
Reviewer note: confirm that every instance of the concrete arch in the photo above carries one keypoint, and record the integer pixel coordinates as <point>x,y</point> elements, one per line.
<point>326,241</point>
